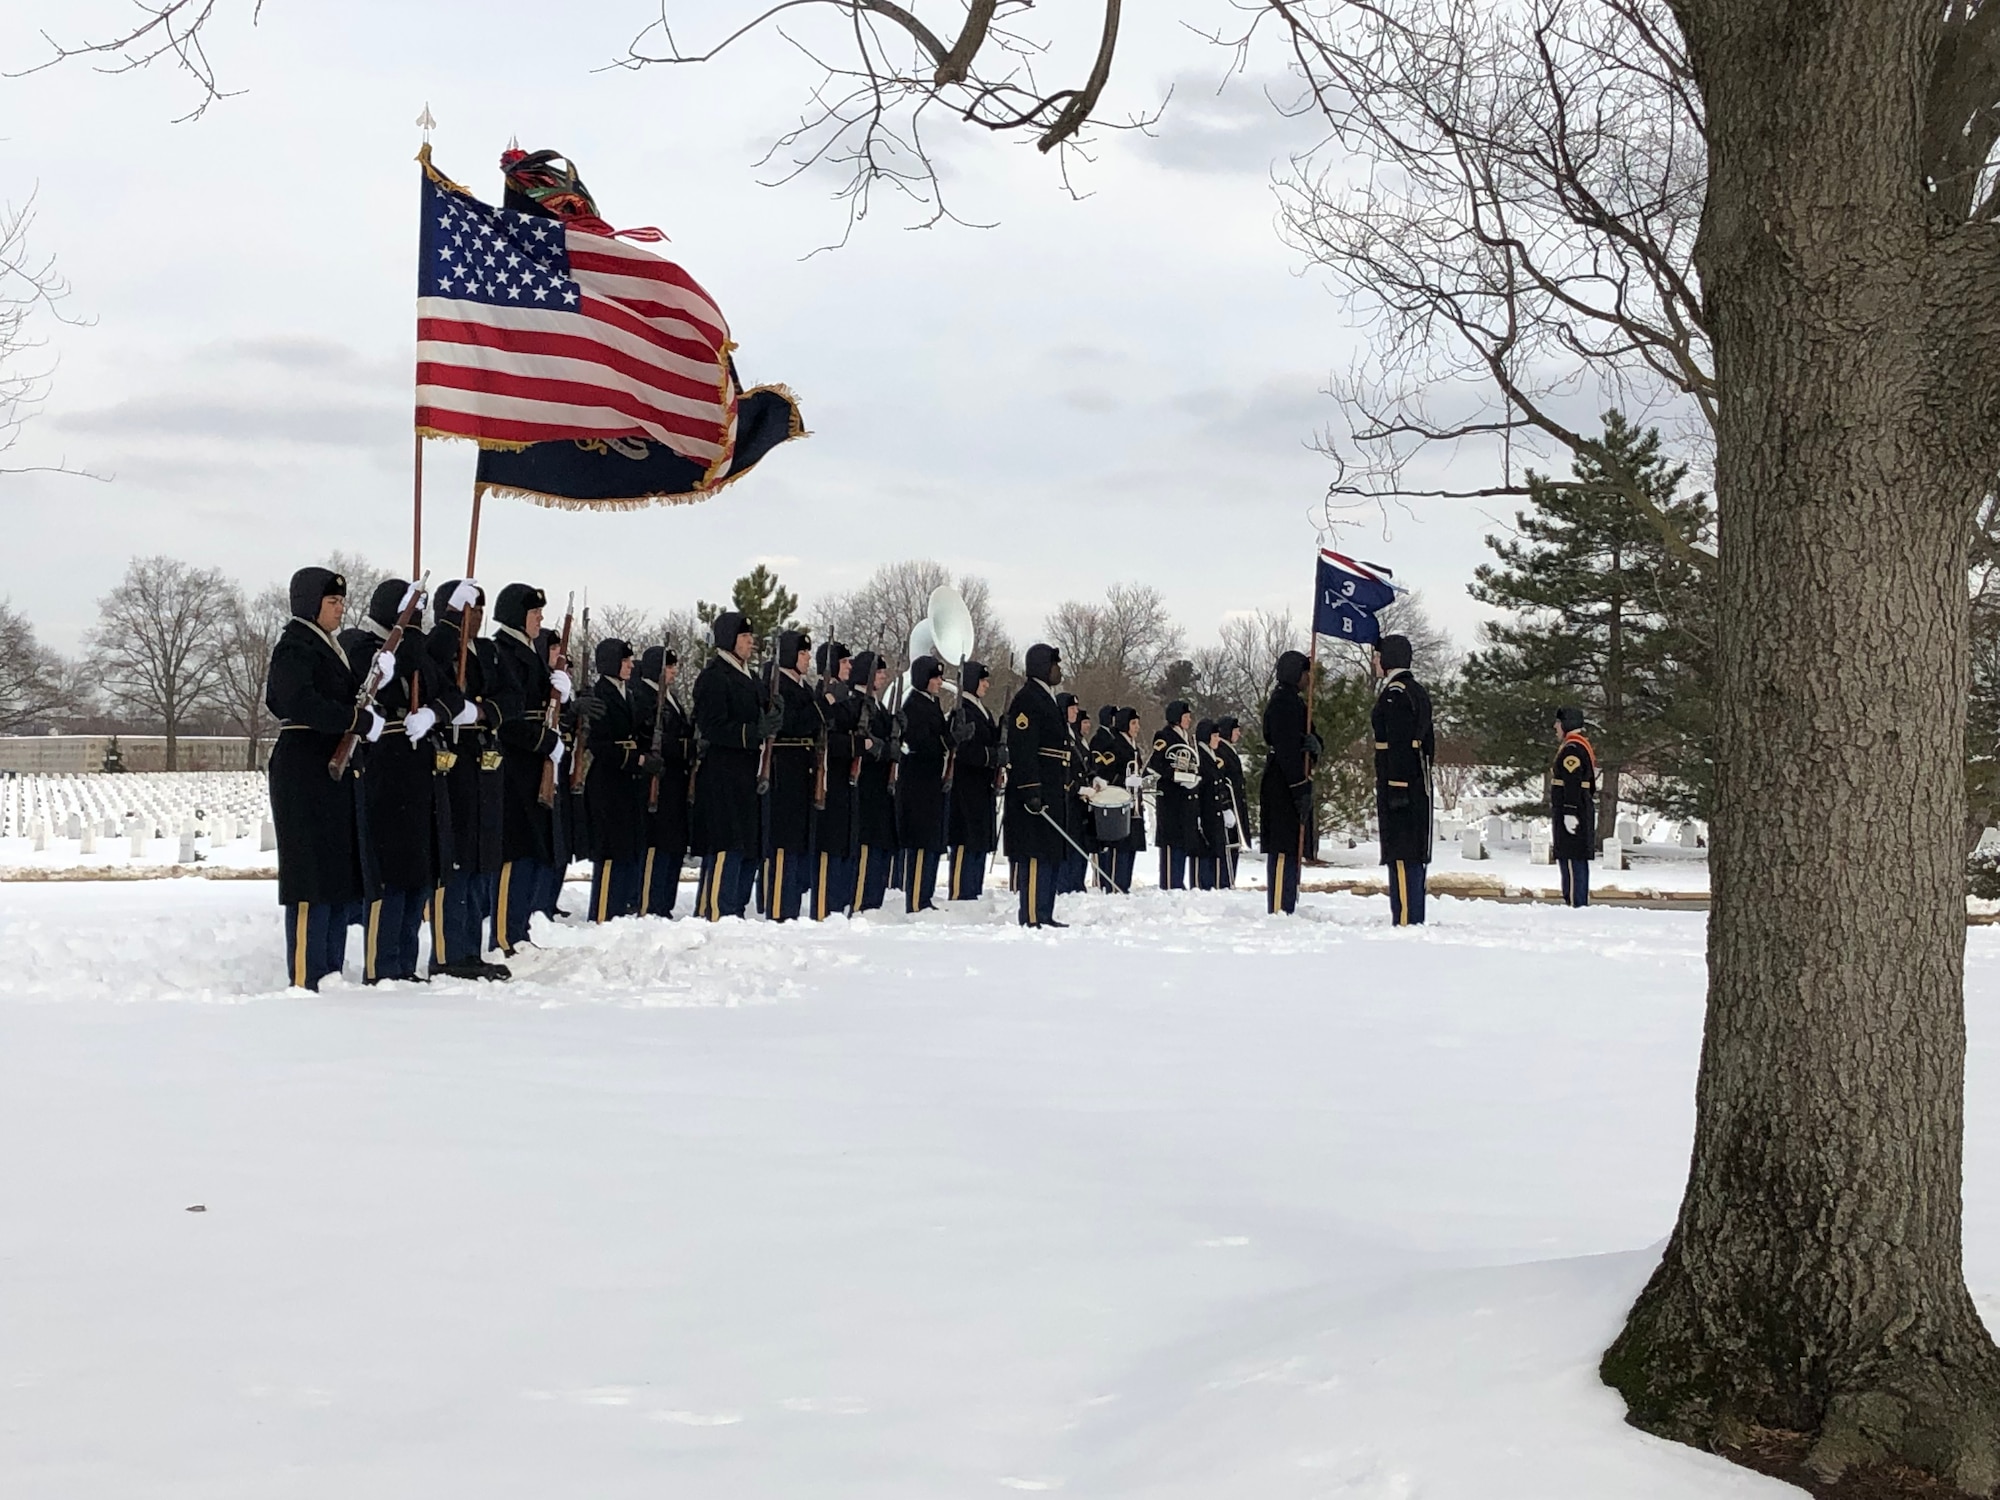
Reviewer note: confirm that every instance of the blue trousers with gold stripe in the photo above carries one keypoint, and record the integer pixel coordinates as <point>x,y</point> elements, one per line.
<point>315,941</point>
<point>523,885</point>
<point>1114,868</point>
<point>1406,892</point>
<point>1035,879</point>
<point>460,905</point>
<point>614,888</point>
<point>782,884</point>
<point>1576,881</point>
<point>920,875</point>
<point>832,890</point>
<point>660,881</point>
<point>1281,879</point>
<point>727,879</point>
<point>967,874</point>
<point>1173,868</point>
<point>871,877</point>
<point>390,933</point>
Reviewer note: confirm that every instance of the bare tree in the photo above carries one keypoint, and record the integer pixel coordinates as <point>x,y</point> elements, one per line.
<point>250,629</point>
<point>1121,651</point>
<point>1235,675</point>
<point>880,615</point>
<point>883,73</point>
<point>157,644</point>
<point>29,284</point>
<point>363,575</point>
<point>31,675</point>
<point>169,30</point>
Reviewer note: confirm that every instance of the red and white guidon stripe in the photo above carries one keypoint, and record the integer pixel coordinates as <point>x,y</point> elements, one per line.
<point>529,332</point>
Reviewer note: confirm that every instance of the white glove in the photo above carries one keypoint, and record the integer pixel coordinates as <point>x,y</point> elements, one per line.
<point>385,669</point>
<point>465,595</point>
<point>1187,778</point>
<point>376,724</point>
<point>466,715</point>
<point>410,596</point>
<point>420,723</point>
<point>1228,818</point>
<point>556,753</point>
<point>1569,822</point>
<point>1097,783</point>
<point>565,689</point>
<point>1134,779</point>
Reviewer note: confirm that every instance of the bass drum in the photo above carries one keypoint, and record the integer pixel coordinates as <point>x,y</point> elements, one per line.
<point>1111,814</point>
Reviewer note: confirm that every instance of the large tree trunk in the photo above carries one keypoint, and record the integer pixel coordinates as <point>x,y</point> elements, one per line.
<point>1813,1281</point>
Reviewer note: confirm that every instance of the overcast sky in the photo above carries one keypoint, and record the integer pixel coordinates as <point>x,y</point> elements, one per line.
<point>1122,388</point>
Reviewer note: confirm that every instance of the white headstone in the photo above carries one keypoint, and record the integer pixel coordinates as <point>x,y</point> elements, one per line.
<point>1496,830</point>
<point>1613,857</point>
<point>73,826</point>
<point>140,835</point>
<point>1989,840</point>
<point>1628,831</point>
<point>41,840</point>
<point>87,839</point>
<point>1541,849</point>
<point>187,854</point>
<point>1691,836</point>
<point>267,837</point>
<point>1471,844</point>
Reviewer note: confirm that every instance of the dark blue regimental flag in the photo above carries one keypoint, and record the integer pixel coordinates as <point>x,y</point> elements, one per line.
<point>1346,596</point>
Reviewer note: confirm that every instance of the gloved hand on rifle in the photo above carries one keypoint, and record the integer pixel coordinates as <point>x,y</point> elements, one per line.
<point>1315,746</point>
<point>1228,817</point>
<point>1569,822</point>
<point>556,753</point>
<point>1302,801</point>
<point>651,765</point>
<point>419,722</point>
<point>560,681</point>
<point>769,722</point>
<point>371,730</point>
<point>469,714</point>
<point>962,728</point>
<point>385,670</point>
<point>1001,756</point>
<point>1031,803</point>
<point>593,708</point>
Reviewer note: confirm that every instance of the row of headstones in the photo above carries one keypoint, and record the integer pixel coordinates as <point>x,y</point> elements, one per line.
<point>162,799</point>
<point>1476,839</point>
<point>139,834</point>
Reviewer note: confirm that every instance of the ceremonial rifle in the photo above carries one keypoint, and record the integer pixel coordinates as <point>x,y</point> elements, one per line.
<point>365,699</point>
<point>552,715</point>
<point>659,725</point>
<point>770,740</point>
<point>579,761</point>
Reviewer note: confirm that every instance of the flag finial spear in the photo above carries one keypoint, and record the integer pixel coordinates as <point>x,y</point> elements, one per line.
<point>425,123</point>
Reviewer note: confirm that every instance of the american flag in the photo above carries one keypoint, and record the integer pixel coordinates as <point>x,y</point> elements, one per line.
<point>530,331</point>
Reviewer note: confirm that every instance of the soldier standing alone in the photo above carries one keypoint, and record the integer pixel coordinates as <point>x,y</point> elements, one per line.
<point>1573,806</point>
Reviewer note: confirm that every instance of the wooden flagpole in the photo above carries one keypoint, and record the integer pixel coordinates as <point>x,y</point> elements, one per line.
<point>417,514</point>
<point>472,540</point>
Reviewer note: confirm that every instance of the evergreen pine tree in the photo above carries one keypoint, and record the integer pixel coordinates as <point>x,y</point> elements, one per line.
<point>767,604</point>
<point>1603,613</point>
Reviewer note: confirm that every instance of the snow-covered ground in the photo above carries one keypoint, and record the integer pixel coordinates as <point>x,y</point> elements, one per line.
<point>1183,1202</point>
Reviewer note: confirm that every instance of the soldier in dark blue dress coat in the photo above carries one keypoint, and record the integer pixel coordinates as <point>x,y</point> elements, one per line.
<point>404,813</point>
<point>788,803</point>
<point>875,792</point>
<point>979,756</point>
<point>311,691</point>
<point>1405,746</point>
<point>1285,809</point>
<point>731,723</point>
<point>1176,764</point>
<point>525,685</point>
<point>666,731</point>
<point>469,782</point>
<point>1038,756</point>
<point>1573,806</point>
<point>920,809</point>
<point>615,787</point>
<point>836,841</point>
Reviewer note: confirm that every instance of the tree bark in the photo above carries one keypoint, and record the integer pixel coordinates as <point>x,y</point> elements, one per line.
<point>1813,1280</point>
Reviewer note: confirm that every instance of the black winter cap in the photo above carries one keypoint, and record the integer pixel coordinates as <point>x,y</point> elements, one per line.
<point>790,644</point>
<point>1104,714</point>
<point>971,675</point>
<point>1176,711</point>
<point>829,657</point>
<point>1570,718</point>
<point>1041,658</point>
<point>310,585</point>
<point>1124,718</point>
<point>385,603</point>
<point>923,670</point>
<point>1395,652</point>
<point>610,654</point>
<point>1291,668</point>
<point>511,608</point>
<point>728,625</point>
<point>1202,730</point>
<point>866,665</point>
<point>441,606</point>
<point>1227,725</point>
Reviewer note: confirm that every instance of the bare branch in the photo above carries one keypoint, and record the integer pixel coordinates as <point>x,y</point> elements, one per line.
<point>170,29</point>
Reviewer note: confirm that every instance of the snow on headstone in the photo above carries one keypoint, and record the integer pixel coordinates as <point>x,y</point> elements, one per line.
<point>1471,844</point>
<point>267,837</point>
<point>73,826</point>
<point>1496,830</point>
<point>1613,857</point>
<point>1541,849</point>
<point>1989,840</point>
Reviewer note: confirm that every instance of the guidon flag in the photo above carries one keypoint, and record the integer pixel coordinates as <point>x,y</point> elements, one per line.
<point>1347,594</point>
<point>589,371</point>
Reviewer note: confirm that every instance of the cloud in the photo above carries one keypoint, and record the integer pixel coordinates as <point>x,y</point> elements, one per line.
<point>1247,126</point>
<point>306,419</point>
<point>288,351</point>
